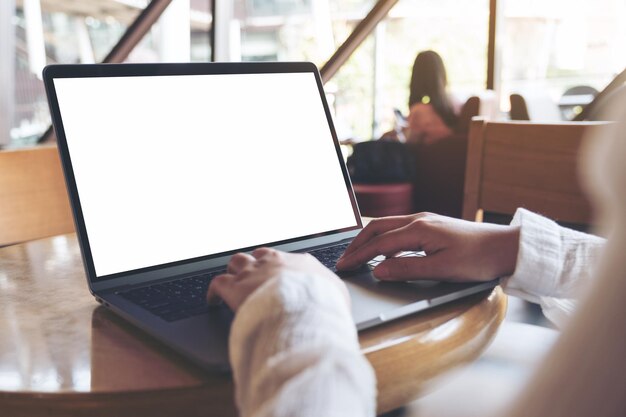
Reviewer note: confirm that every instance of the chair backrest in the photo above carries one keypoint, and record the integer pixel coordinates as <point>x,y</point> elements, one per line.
<point>525,164</point>
<point>440,175</point>
<point>519,109</point>
<point>484,104</point>
<point>470,109</point>
<point>33,197</point>
<point>536,106</point>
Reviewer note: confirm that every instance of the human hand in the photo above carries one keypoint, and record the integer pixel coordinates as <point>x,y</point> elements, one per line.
<point>456,250</point>
<point>246,273</point>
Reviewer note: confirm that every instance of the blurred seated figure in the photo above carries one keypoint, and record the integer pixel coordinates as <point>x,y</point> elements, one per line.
<point>436,142</point>
<point>437,137</point>
<point>431,110</point>
<point>434,114</point>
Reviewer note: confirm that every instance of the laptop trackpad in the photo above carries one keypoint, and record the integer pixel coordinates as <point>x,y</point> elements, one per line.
<point>376,301</point>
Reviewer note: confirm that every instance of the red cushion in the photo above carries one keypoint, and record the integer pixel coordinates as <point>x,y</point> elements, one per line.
<point>378,200</point>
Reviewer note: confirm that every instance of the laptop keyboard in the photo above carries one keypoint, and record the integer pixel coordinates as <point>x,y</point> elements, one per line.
<point>186,297</point>
<point>328,256</point>
<point>174,300</point>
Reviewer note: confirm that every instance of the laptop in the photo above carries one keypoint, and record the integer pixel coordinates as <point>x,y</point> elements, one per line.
<point>173,168</point>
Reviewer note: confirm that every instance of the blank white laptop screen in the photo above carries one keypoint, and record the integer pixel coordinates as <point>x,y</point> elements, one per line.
<point>175,167</point>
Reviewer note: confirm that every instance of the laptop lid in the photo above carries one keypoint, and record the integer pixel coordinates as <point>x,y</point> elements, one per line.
<point>171,168</point>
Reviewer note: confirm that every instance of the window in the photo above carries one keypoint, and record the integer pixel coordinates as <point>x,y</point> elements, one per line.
<point>309,30</point>
<point>549,46</point>
<point>84,32</point>
<point>375,79</point>
<point>456,30</point>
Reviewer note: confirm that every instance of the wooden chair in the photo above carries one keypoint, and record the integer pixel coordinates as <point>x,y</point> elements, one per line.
<point>470,109</point>
<point>33,197</point>
<point>440,175</point>
<point>519,109</point>
<point>524,164</point>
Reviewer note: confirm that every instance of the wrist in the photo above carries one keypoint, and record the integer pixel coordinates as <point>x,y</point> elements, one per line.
<point>506,249</point>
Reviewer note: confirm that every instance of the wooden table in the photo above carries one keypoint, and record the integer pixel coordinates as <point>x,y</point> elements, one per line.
<point>61,354</point>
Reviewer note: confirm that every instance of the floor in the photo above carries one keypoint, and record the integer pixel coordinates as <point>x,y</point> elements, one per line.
<point>521,311</point>
<point>488,385</point>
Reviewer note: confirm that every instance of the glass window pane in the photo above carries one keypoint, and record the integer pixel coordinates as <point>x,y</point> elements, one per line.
<point>201,21</point>
<point>375,79</point>
<point>550,46</point>
<point>57,32</point>
<point>292,30</point>
<point>48,32</point>
<point>351,92</point>
<point>311,30</point>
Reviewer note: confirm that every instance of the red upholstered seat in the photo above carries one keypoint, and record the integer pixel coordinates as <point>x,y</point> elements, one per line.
<point>378,200</point>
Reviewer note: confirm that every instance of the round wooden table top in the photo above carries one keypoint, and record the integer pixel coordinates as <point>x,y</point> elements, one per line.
<point>61,354</point>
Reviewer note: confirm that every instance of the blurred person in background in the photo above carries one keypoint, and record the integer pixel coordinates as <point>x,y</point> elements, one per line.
<point>432,114</point>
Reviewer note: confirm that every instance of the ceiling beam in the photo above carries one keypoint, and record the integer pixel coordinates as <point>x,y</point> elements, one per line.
<point>356,38</point>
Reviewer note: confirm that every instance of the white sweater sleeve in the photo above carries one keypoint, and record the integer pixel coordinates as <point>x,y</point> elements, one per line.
<point>554,264</point>
<point>295,352</point>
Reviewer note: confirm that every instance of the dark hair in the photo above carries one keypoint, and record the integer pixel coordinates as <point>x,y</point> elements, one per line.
<point>429,79</point>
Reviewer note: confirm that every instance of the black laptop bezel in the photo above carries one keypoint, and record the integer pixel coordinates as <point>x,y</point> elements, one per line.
<point>52,72</point>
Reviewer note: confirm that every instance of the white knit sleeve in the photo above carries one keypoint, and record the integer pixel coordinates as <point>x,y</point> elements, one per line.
<point>554,264</point>
<point>294,352</point>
